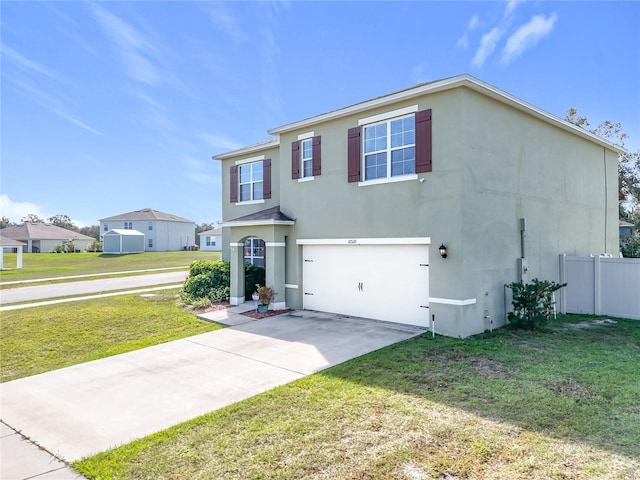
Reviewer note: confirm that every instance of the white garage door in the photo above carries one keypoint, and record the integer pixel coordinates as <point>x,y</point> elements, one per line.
<point>383,282</point>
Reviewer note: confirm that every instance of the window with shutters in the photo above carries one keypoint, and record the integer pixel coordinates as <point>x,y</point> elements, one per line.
<point>250,177</point>
<point>385,148</point>
<point>306,161</point>
<point>250,181</point>
<point>389,148</point>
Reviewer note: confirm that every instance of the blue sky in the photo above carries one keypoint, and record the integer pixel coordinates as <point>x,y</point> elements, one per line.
<point>109,107</point>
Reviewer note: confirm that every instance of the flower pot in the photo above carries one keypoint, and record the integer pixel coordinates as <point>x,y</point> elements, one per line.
<point>263,308</point>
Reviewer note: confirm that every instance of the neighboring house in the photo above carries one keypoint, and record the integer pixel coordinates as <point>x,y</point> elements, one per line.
<point>353,205</point>
<point>40,237</point>
<point>162,231</point>
<point>211,240</point>
<point>12,245</point>
<point>123,241</point>
<point>625,229</point>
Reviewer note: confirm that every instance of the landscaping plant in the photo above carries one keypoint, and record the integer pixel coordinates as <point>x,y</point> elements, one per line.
<point>208,280</point>
<point>532,303</point>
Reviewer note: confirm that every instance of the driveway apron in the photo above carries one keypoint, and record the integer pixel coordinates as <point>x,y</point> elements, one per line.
<point>88,408</point>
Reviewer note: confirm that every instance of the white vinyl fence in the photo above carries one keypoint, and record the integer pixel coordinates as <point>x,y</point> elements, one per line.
<point>600,286</point>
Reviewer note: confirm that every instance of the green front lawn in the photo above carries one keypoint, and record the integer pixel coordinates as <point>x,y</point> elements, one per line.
<point>38,339</point>
<point>48,265</point>
<point>558,405</point>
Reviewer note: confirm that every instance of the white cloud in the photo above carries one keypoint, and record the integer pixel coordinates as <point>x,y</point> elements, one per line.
<point>474,22</point>
<point>220,142</point>
<point>511,6</point>
<point>28,64</point>
<point>136,52</point>
<point>487,46</point>
<point>225,21</point>
<point>528,36</point>
<point>14,211</point>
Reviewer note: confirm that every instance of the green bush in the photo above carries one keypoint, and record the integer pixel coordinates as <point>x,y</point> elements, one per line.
<point>631,246</point>
<point>252,275</point>
<point>208,280</point>
<point>57,249</point>
<point>532,303</point>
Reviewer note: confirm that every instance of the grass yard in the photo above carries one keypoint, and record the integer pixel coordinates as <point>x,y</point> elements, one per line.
<point>48,265</point>
<point>509,405</point>
<point>39,339</point>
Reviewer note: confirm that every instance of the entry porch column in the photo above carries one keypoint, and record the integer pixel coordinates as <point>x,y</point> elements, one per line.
<point>237,273</point>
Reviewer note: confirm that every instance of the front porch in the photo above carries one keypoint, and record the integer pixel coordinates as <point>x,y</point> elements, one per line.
<point>273,227</point>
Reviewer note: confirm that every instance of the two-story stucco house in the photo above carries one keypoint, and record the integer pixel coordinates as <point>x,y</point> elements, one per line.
<point>163,232</point>
<point>349,209</point>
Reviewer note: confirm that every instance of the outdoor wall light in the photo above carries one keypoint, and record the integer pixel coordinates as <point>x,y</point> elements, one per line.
<point>443,251</point>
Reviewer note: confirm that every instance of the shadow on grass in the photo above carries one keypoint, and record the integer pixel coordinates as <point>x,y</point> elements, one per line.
<point>578,383</point>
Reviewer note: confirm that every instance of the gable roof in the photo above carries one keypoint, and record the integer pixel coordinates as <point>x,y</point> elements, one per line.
<point>270,216</point>
<point>41,231</point>
<point>215,231</point>
<point>10,242</point>
<point>123,232</point>
<point>464,80</point>
<point>146,214</point>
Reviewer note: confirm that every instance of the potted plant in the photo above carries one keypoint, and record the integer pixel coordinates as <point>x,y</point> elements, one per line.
<point>265,294</point>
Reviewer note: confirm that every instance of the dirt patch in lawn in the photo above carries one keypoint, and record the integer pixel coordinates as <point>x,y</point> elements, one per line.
<point>569,388</point>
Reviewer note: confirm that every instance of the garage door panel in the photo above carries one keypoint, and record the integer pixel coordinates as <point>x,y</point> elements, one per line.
<point>385,282</point>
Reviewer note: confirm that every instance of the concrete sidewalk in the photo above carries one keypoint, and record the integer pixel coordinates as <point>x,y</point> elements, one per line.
<point>84,409</point>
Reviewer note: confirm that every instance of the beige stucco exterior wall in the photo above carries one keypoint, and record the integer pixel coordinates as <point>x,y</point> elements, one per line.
<point>492,166</point>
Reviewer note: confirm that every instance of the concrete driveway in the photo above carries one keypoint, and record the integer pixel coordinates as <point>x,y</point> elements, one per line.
<point>91,407</point>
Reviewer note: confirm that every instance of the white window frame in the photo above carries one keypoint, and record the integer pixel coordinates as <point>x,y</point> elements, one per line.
<point>306,159</point>
<point>128,225</point>
<point>106,227</point>
<point>388,151</point>
<point>150,227</point>
<point>250,246</point>
<point>150,243</point>
<point>251,182</point>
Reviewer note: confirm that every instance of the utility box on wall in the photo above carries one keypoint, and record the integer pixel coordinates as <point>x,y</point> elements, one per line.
<point>523,270</point>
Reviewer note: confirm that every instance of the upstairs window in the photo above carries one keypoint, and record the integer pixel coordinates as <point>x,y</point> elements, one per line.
<point>389,148</point>
<point>150,227</point>
<point>128,225</point>
<point>106,227</point>
<point>306,160</point>
<point>250,182</point>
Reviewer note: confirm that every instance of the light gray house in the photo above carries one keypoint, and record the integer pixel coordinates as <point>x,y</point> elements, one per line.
<point>211,240</point>
<point>123,241</point>
<point>419,206</point>
<point>162,231</point>
<point>42,238</point>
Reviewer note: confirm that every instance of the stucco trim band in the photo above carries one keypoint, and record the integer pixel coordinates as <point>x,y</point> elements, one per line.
<point>365,241</point>
<point>451,301</point>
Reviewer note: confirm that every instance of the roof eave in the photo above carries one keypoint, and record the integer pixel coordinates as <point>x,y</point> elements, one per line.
<point>255,223</point>
<point>464,80</point>
<point>274,142</point>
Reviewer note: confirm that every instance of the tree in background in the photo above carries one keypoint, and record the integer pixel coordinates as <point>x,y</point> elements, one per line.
<point>92,231</point>
<point>63,221</point>
<point>628,177</point>
<point>6,222</point>
<point>31,218</point>
<point>203,227</point>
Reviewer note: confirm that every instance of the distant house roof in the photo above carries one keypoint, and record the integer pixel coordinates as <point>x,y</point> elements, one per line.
<point>10,242</point>
<point>123,232</point>
<point>146,214</point>
<point>215,231</point>
<point>41,231</point>
<point>270,216</point>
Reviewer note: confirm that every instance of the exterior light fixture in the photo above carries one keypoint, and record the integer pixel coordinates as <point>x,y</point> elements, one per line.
<point>443,251</point>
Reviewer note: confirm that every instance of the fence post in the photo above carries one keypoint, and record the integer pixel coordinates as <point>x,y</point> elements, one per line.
<point>563,276</point>
<point>596,286</point>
